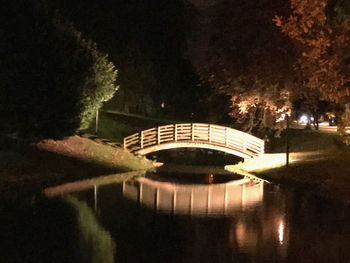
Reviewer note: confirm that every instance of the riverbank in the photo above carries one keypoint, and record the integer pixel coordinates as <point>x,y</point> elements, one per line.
<point>37,166</point>
<point>319,162</point>
<point>32,167</point>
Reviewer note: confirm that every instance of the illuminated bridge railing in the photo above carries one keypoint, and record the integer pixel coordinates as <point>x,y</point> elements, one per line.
<point>194,199</point>
<point>197,135</point>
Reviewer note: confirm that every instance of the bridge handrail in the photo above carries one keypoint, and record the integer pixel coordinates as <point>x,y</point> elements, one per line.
<point>196,133</point>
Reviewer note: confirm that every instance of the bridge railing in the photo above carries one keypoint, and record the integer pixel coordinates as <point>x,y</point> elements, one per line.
<point>196,133</point>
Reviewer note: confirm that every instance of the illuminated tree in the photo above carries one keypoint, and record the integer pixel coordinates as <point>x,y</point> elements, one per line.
<point>239,52</point>
<point>324,50</point>
<point>52,79</point>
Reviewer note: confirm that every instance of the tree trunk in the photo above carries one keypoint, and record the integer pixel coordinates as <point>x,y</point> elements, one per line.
<point>287,141</point>
<point>316,120</point>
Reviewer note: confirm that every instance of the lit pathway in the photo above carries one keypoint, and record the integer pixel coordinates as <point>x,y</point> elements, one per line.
<point>273,160</point>
<point>323,126</point>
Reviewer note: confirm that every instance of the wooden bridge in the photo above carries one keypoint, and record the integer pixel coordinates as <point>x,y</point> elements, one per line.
<point>195,135</point>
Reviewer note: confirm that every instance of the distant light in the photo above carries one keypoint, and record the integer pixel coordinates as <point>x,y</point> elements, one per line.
<point>162,105</point>
<point>303,119</point>
<point>283,116</point>
<point>312,118</point>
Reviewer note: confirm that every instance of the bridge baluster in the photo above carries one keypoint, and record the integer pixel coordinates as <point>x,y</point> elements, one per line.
<point>244,148</point>
<point>192,132</point>
<point>209,133</point>
<point>141,139</point>
<point>262,150</point>
<point>175,132</point>
<point>158,135</point>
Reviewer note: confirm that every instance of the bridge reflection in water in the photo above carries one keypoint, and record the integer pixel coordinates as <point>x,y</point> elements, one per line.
<point>183,199</point>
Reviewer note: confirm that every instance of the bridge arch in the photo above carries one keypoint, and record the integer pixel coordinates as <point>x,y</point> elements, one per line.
<point>195,135</point>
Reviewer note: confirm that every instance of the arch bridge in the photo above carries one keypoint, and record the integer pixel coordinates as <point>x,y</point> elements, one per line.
<point>195,135</point>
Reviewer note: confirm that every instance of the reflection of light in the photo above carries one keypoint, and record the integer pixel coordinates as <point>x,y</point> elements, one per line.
<point>196,200</point>
<point>246,237</point>
<point>240,233</point>
<point>210,178</point>
<point>281,232</point>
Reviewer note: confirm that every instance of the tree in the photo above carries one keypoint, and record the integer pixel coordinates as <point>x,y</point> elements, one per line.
<point>239,52</point>
<point>324,50</point>
<point>52,79</point>
<point>146,41</point>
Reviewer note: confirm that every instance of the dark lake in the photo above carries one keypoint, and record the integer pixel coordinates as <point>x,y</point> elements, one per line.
<point>160,219</point>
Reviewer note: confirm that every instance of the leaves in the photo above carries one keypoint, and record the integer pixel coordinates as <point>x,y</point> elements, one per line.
<point>247,59</point>
<point>321,44</point>
<point>53,80</point>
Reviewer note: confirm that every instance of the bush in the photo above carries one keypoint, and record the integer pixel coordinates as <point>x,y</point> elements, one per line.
<point>52,80</point>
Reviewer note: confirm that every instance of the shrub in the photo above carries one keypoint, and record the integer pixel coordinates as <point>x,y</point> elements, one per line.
<point>52,80</point>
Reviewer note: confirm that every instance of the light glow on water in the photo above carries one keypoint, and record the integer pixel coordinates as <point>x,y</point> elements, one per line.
<point>281,231</point>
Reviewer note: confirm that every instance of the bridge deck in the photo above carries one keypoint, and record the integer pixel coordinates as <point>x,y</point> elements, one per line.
<point>197,135</point>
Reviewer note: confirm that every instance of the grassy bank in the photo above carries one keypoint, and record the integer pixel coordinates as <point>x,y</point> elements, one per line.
<point>49,162</point>
<point>320,163</point>
<point>116,126</point>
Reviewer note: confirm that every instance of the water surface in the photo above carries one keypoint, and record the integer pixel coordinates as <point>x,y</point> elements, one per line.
<point>151,220</point>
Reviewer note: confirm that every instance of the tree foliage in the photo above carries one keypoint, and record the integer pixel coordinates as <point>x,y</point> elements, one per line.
<point>243,55</point>
<point>52,79</point>
<point>324,48</point>
<point>146,41</point>
<point>323,43</point>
